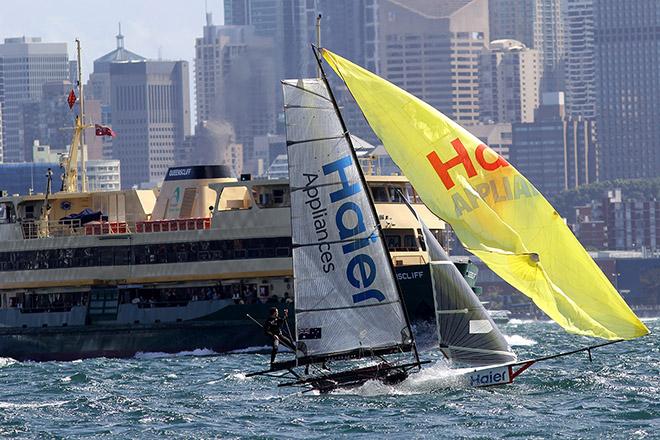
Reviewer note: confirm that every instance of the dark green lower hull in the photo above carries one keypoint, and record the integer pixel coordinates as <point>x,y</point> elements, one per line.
<point>225,330</point>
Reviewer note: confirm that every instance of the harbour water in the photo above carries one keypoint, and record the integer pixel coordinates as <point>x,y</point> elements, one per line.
<point>204,395</point>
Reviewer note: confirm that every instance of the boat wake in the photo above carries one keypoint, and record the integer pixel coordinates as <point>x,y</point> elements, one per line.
<point>519,340</point>
<point>251,350</point>
<point>5,362</point>
<point>434,378</point>
<point>161,355</point>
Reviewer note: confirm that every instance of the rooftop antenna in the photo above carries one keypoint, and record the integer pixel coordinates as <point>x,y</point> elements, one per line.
<point>209,15</point>
<point>120,38</point>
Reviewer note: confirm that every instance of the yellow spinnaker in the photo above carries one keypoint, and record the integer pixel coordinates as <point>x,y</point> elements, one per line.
<point>494,210</point>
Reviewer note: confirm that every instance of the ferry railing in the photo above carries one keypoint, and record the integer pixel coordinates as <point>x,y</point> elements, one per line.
<point>57,228</point>
<point>39,229</point>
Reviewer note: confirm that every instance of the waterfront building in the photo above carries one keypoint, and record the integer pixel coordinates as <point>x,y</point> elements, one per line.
<point>627,51</point>
<point>26,64</point>
<point>510,82</point>
<point>103,175</point>
<point>28,177</point>
<point>236,82</point>
<point>619,223</point>
<point>150,113</point>
<point>432,49</point>
<point>554,152</point>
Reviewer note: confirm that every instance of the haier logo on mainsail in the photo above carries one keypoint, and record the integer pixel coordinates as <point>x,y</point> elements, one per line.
<point>361,269</point>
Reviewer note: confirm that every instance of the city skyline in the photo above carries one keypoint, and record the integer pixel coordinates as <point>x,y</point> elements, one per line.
<point>147,33</point>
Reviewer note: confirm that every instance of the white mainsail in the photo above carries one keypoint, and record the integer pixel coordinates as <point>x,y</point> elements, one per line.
<point>346,297</point>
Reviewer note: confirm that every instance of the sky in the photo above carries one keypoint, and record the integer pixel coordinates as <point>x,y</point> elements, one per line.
<point>148,26</point>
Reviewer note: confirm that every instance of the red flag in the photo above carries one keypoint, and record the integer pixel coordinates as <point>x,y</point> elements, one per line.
<point>71,99</point>
<point>102,130</point>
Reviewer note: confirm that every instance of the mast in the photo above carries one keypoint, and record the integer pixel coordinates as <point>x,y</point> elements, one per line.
<point>368,195</point>
<point>83,147</point>
<point>318,41</point>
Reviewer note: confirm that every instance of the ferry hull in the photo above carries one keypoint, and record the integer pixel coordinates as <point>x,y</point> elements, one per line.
<point>222,331</point>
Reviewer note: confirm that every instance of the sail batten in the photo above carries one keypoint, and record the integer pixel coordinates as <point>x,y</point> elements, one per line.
<point>345,293</point>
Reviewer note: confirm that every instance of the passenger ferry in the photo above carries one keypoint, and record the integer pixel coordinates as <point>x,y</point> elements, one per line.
<point>87,274</point>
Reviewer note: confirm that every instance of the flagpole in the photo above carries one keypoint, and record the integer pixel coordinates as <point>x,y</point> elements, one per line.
<point>83,147</point>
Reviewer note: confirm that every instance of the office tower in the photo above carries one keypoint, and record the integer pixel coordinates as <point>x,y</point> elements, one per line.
<point>98,86</point>
<point>554,152</point>
<point>236,82</point>
<point>512,19</point>
<point>25,65</point>
<point>97,92</point>
<point>549,40</point>
<point>150,113</point>
<point>510,80</point>
<point>212,144</point>
<point>432,49</point>
<point>47,120</point>
<point>290,24</point>
<point>1,134</point>
<point>580,62</point>
<point>627,51</point>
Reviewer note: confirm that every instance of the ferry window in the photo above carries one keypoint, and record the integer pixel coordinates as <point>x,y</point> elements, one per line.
<point>393,241</point>
<point>395,196</point>
<point>278,196</point>
<point>379,194</point>
<point>29,211</point>
<point>410,242</point>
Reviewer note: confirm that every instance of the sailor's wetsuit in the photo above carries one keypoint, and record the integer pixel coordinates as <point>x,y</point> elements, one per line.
<point>272,326</point>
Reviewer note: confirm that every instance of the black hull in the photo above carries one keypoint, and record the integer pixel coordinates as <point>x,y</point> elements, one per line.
<point>226,330</point>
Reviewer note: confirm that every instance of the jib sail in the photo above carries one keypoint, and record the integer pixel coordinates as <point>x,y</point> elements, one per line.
<point>466,332</point>
<point>346,297</point>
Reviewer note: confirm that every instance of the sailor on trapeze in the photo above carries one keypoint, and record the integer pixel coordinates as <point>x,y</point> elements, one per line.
<point>273,328</point>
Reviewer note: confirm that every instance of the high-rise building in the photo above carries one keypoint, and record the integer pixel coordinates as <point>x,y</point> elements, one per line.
<point>627,51</point>
<point>512,19</point>
<point>554,152</point>
<point>98,89</point>
<point>580,63</point>
<point>25,65</point>
<point>549,40</point>
<point>47,120</point>
<point>236,82</point>
<point>150,113</point>
<point>432,49</point>
<point>290,24</point>
<point>510,81</point>
<point>212,144</point>
<point>1,134</point>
